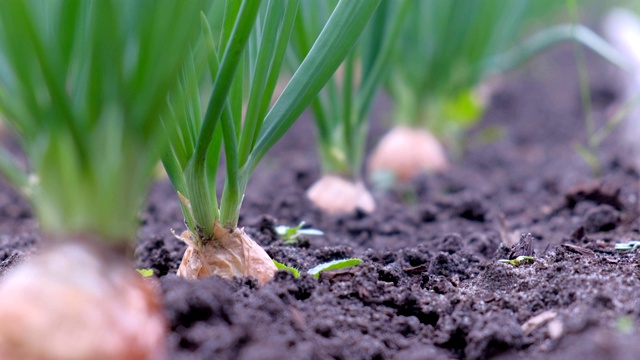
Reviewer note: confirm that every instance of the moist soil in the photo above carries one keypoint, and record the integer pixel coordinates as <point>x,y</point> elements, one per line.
<point>430,285</point>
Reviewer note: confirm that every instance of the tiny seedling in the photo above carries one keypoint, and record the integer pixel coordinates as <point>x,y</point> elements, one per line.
<point>520,260</point>
<point>334,265</point>
<point>315,271</point>
<point>145,272</point>
<point>291,234</point>
<point>341,110</point>
<point>628,247</point>
<point>281,266</point>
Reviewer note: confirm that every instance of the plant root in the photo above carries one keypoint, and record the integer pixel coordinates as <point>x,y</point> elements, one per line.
<point>336,195</point>
<point>231,254</point>
<point>72,302</point>
<point>407,152</point>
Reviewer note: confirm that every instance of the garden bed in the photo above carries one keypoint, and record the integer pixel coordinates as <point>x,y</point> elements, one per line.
<point>430,285</point>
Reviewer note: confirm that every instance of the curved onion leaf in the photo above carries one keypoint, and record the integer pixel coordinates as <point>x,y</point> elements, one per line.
<point>333,265</point>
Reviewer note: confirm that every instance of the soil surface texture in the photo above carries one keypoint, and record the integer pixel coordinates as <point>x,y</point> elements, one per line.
<point>430,285</point>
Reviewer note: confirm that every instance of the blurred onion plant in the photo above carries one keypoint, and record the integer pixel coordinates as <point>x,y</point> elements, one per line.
<point>83,85</point>
<point>245,58</point>
<point>341,110</point>
<point>449,51</point>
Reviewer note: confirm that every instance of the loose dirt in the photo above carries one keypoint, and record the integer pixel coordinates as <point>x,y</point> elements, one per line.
<point>430,286</point>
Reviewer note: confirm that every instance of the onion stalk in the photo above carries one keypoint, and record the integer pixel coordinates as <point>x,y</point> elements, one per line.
<point>342,109</point>
<point>83,85</point>
<point>245,59</point>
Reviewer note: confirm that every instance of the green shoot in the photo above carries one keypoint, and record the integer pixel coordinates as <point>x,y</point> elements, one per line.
<point>145,272</point>
<point>245,59</point>
<point>84,94</point>
<point>281,266</point>
<point>290,235</point>
<point>328,266</point>
<point>334,265</point>
<point>520,260</point>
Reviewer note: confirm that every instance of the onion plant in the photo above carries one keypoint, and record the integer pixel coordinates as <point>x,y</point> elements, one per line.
<point>83,85</point>
<point>342,109</point>
<point>449,49</point>
<point>622,27</point>
<point>246,58</point>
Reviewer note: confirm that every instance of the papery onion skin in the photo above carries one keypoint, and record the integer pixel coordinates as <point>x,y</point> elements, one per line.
<point>76,301</point>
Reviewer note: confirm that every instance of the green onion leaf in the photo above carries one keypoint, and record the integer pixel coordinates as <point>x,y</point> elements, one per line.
<point>334,265</point>
<point>290,269</point>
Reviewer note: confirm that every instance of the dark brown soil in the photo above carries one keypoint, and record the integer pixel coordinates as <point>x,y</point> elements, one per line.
<point>430,286</point>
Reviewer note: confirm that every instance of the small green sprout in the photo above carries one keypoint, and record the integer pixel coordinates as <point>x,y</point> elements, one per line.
<point>281,266</point>
<point>333,265</point>
<point>624,324</point>
<point>627,247</point>
<point>315,271</point>
<point>290,235</point>
<point>145,272</point>
<point>519,260</point>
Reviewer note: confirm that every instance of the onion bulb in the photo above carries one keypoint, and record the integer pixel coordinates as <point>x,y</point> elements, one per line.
<point>77,301</point>
<point>337,195</point>
<point>406,152</point>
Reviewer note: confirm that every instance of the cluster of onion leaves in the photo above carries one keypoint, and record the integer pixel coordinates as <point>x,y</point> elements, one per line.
<point>83,87</point>
<point>244,62</point>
